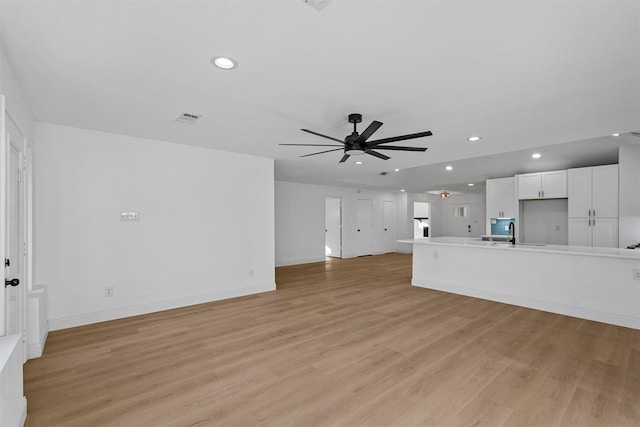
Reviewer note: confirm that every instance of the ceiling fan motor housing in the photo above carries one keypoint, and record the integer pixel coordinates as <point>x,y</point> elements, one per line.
<point>355,118</point>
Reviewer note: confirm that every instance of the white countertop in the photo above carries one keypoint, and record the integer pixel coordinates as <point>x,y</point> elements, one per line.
<point>633,254</point>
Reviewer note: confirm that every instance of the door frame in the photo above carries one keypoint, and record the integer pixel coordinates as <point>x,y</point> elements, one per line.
<point>19,142</point>
<point>340,207</point>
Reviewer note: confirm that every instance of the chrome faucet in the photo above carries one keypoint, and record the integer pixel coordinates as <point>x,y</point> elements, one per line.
<point>512,232</point>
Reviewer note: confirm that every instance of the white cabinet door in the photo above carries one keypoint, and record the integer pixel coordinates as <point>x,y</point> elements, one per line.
<point>554,184</point>
<point>579,181</point>
<point>580,232</point>
<point>605,191</point>
<point>529,186</point>
<point>509,201</point>
<point>605,232</point>
<point>494,199</point>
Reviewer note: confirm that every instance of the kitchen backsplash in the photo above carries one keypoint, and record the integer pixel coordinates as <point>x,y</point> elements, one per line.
<point>500,227</point>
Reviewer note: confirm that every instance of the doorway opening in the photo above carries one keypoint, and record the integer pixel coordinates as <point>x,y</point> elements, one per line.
<point>421,215</point>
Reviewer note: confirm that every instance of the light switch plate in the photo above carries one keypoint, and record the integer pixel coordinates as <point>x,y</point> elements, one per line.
<point>131,216</point>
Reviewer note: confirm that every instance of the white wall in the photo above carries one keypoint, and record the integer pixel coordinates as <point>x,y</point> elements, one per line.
<point>300,208</point>
<point>205,230</point>
<point>629,190</point>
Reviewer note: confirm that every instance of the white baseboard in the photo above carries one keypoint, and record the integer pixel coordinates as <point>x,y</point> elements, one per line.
<point>34,350</point>
<point>119,313</point>
<point>297,261</point>
<point>552,307</point>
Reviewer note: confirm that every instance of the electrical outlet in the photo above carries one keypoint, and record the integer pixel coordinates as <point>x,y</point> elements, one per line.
<point>108,291</point>
<point>636,274</point>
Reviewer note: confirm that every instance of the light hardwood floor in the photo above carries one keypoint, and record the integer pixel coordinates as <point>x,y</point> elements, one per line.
<point>345,343</point>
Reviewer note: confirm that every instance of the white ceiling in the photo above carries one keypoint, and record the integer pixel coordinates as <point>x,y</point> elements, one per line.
<point>522,75</point>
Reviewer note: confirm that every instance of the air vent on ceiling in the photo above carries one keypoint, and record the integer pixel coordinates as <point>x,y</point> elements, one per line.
<point>635,134</point>
<point>317,4</point>
<point>188,118</point>
<point>383,173</point>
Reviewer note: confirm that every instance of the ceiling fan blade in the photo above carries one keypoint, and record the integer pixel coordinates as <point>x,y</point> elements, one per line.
<point>313,145</point>
<point>376,154</point>
<point>321,152</point>
<point>344,158</point>
<point>399,138</point>
<point>374,126</point>
<point>324,136</point>
<point>395,147</point>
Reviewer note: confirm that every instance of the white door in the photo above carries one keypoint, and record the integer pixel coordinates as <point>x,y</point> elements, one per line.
<point>333,227</point>
<point>364,224</point>
<point>14,294</point>
<point>389,223</point>
<point>460,220</point>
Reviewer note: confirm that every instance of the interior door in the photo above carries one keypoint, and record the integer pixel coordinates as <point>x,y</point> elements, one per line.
<point>364,224</point>
<point>14,293</point>
<point>333,227</point>
<point>389,224</point>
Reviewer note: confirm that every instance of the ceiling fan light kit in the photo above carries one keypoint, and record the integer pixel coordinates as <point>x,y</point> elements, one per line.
<point>356,144</point>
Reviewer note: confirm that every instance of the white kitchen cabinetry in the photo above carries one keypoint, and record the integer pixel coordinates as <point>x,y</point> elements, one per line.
<point>600,232</point>
<point>501,199</point>
<point>542,185</point>
<point>593,206</point>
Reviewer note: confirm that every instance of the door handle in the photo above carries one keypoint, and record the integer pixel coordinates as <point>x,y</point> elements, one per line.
<point>12,282</point>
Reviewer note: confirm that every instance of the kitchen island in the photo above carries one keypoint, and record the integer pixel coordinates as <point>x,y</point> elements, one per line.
<point>590,283</point>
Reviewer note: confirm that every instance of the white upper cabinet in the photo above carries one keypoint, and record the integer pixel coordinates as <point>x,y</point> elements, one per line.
<point>542,185</point>
<point>501,199</point>
<point>605,191</point>
<point>593,192</point>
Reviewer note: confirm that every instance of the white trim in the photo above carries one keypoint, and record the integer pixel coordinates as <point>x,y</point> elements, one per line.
<point>103,316</point>
<point>22,411</point>
<point>582,313</point>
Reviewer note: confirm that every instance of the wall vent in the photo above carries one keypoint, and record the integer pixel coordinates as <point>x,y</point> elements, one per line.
<point>317,4</point>
<point>188,118</point>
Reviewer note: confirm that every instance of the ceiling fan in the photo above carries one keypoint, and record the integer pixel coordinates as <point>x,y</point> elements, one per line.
<point>356,144</point>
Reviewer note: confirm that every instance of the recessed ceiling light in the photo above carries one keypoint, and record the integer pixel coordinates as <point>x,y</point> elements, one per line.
<point>402,190</point>
<point>449,168</point>
<point>358,163</point>
<point>396,169</point>
<point>470,184</point>
<point>474,138</point>
<point>615,134</point>
<point>536,155</point>
<point>224,63</point>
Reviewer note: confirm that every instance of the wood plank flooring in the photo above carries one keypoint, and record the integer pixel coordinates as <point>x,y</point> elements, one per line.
<point>341,343</point>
